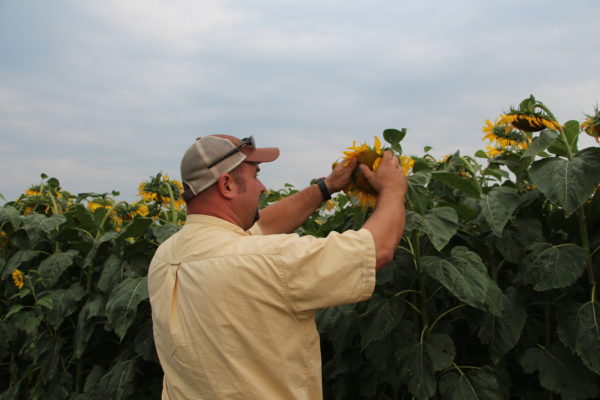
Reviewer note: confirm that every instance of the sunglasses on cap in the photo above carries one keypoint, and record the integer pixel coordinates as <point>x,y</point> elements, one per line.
<point>249,141</point>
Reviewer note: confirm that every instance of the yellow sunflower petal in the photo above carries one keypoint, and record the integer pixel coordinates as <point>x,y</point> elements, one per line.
<point>377,145</point>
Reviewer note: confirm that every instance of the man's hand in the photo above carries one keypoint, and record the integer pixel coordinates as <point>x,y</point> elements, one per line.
<point>341,175</point>
<point>388,177</point>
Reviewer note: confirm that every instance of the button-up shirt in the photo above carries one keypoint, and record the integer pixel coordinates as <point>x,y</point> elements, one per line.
<point>233,310</point>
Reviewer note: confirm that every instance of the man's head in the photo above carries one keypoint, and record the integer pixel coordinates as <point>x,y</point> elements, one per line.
<point>211,156</point>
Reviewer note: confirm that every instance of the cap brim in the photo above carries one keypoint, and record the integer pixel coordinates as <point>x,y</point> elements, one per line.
<point>264,154</point>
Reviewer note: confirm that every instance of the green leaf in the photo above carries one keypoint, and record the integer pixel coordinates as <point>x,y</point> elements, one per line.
<point>441,350</point>
<point>64,303</point>
<point>503,333</point>
<point>416,370</point>
<point>566,325</point>
<point>498,206</point>
<point>380,318</point>
<point>94,307</point>
<point>47,356</point>
<point>51,223</point>
<point>439,224</point>
<point>478,384</point>
<point>466,277</point>
<point>46,302</point>
<point>18,259</point>
<point>163,232</point>
<point>394,136</point>
<point>111,273</point>
<point>417,197</point>
<point>27,321</point>
<point>107,237</point>
<point>560,371</point>
<point>135,228</point>
<point>144,341</point>
<point>118,383</point>
<point>121,307</point>
<point>466,186</point>
<point>541,142</point>
<point>14,309</point>
<point>10,214</point>
<point>588,335</point>
<point>571,130</point>
<point>53,267</point>
<point>481,154</point>
<point>548,266</point>
<point>568,184</point>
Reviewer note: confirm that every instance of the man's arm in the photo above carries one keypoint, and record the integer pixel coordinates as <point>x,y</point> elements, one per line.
<point>286,215</point>
<point>386,224</point>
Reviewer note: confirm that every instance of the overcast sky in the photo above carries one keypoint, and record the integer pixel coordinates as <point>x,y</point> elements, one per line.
<point>104,94</point>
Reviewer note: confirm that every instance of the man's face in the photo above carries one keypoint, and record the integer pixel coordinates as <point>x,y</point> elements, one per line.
<point>250,189</point>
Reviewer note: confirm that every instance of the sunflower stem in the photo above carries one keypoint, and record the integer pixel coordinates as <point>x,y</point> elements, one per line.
<point>585,243</point>
<point>172,208</point>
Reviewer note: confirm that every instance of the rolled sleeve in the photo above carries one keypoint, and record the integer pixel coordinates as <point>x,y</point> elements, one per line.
<point>326,272</point>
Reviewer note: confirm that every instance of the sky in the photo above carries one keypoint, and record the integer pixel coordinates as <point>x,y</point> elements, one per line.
<point>104,94</point>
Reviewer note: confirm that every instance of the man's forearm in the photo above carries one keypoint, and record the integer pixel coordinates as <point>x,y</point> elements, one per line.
<point>286,215</point>
<point>386,225</point>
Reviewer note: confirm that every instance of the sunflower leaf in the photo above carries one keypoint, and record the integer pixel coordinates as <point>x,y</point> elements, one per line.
<point>497,207</point>
<point>466,277</point>
<point>382,316</point>
<point>587,342</point>
<point>560,371</point>
<point>541,143</point>
<point>122,306</point>
<point>477,384</point>
<point>394,136</point>
<point>548,266</point>
<point>502,333</point>
<point>568,183</point>
<point>416,370</point>
<point>53,267</point>
<point>439,224</point>
<point>467,186</point>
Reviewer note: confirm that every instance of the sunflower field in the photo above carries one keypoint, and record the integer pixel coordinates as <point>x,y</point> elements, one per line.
<point>492,293</point>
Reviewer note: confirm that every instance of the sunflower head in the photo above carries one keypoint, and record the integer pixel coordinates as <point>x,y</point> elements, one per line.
<point>18,278</point>
<point>531,116</point>
<point>591,125</point>
<point>369,156</point>
<point>503,138</point>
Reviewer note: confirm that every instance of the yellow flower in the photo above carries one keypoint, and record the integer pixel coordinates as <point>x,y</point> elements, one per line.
<point>502,137</point>
<point>93,206</point>
<point>360,189</point>
<point>31,192</point>
<point>493,151</point>
<point>27,210</point>
<point>3,237</point>
<point>143,210</point>
<point>406,163</point>
<point>330,205</point>
<point>17,277</point>
<point>592,127</point>
<point>529,123</point>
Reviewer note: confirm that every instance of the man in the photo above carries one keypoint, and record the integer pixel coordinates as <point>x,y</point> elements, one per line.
<point>234,296</point>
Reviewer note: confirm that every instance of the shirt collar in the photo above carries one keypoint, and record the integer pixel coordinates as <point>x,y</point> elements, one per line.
<point>209,220</point>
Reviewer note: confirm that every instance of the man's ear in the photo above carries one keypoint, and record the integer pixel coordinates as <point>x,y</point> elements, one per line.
<point>226,186</point>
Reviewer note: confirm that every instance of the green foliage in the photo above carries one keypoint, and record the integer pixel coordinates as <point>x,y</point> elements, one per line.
<point>492,293</point>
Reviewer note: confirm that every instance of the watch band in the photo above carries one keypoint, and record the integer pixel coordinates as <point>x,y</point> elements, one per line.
<point>323,188</point>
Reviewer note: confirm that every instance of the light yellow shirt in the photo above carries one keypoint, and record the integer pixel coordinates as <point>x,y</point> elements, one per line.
<point>233,311</point>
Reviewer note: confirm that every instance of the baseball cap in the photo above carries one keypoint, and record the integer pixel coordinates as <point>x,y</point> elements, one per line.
<point>211,156</point>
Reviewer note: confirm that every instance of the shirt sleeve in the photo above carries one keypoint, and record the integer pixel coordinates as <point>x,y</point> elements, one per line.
<point>326,272</point>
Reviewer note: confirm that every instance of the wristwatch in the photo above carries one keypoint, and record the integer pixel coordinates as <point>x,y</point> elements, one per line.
<point>323,188</point>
